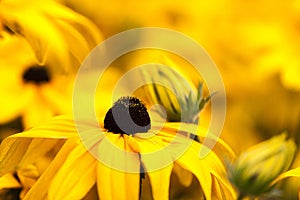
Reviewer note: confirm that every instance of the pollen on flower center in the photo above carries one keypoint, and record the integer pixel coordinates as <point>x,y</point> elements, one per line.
<point>127,116</point>
<point>36,74</point>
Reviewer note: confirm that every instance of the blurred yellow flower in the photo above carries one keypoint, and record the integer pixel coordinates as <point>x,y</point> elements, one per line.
<point>29,90</point>
<point>59,37</point>
<point>256,169</point>
<point>147,156</point>
<point>39,41</point>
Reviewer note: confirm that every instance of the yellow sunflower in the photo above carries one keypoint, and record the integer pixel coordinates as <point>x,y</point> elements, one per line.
<point>124,158</point>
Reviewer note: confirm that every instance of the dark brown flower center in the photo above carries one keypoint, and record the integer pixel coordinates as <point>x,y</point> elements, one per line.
<point>127,116</point>
<point>36,74</point>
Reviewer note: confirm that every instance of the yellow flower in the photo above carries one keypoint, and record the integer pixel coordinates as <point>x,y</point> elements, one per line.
<point>58,35</point>
<point>123,161</point>
<point>28,88</point>
<point>38,41</point>
<point>256,169</point>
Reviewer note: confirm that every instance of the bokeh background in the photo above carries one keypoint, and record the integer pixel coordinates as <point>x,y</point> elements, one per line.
<point>255,44</point>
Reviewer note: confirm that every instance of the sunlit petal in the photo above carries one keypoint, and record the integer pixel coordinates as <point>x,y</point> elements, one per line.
<point>158,173</point>
<point>75,177</point>
<point>40,189</point>
<point>113,183</point>
<point>291,173</point>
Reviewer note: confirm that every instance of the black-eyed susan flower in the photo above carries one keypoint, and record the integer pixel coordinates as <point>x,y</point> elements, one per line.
<point>59,37</point>
<point>256,170</point>
<point>128,157</point>
<point>29,90</point>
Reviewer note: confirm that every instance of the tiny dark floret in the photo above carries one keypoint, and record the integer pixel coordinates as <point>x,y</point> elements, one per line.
<point>127,116</point>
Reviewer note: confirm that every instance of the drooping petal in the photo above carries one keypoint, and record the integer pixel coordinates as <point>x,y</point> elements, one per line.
<point>220,147</point>
<point>20,22</point>
<point>75,177</point>
<point>217,170</point>
<point>217,191</point>
<point>200,168</point>
<point>291,173</point>
<point>50,36</point>
<point>83,32</point>
<point>160,181</point>
<point>204,168</point>
<point>24,148</point>
<point>186,154</point>
<point>222,189</point>
<point>40,188</point>
<point>82,27</point>
<point>158,165</point>
<point>118,169</point>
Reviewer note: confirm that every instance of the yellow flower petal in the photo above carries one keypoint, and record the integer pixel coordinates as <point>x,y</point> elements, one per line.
<point>159,172</point>
<point>75,177</point>
<point>32,115</point>
<point>16,96</point>
<point>188,158</point>
<point>221,148</point>
<point>217,170</point>
<point>222,187</point>
<point>24,151</point>
<point>21,149</point>
<point>200,168</point>
<point>218,191</point>
<point>112,183</point>
<point>204,169</point>
<point>40,188</point>
<point>21,22</point>
<point>58,98</point>
<point>291,173</point>
<point>9,181</point>
<point>54,32</point>
<point>159,179</point>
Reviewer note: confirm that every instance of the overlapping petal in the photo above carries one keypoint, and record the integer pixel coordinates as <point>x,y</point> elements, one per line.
<point>122,182</point>
<point>21,149</point>
<point>54,33</point>
<point>75,177</point>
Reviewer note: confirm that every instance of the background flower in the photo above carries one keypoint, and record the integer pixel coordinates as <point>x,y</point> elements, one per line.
<point>57,34</point>
<point>42,46</point>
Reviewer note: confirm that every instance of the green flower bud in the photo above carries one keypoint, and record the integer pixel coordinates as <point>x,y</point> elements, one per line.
<point>181,100</point>
<point>256,168</point>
